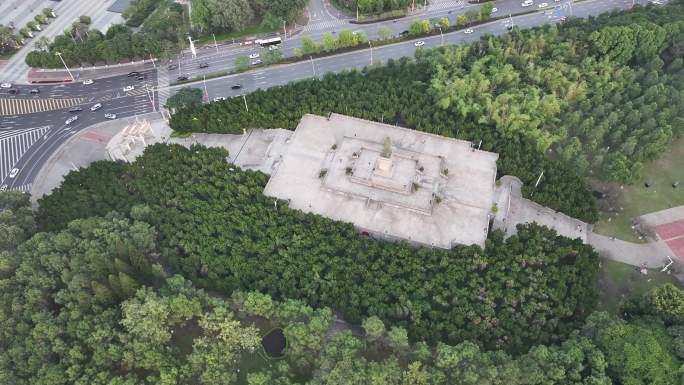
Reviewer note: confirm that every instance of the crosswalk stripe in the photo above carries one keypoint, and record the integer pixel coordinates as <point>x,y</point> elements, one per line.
<point>14,144</point>
<point>21,106</point>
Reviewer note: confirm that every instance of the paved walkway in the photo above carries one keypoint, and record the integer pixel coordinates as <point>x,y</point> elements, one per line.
<point>514,209</point>
<point>652,254</point>
<point>82,149</point>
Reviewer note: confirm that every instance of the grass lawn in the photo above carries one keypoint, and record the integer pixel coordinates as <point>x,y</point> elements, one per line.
<point>636,199</point>
<point>619,281</point>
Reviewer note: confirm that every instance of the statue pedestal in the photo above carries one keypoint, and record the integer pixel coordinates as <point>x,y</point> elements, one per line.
<point>383,167</point>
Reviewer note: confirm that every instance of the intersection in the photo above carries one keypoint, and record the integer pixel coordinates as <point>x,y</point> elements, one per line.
<point>150,95</point>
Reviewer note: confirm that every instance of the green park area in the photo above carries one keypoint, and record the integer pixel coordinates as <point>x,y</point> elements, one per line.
<point>631,201</point>
<point>618,282</point>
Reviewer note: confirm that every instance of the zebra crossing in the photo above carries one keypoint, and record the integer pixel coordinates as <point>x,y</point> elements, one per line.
<point>13,145</point>
<point>26,188</point>
<point>163,82</point>
<point>323,25</point>
<point>445,4</point>
<point>20,106</point>
<point>140,90</point>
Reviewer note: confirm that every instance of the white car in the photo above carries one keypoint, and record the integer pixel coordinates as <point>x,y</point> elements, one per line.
<point>128,88</point>
<point>88,81</point>
<point>496,9</point>
<point>96,107</point>
<point>469,30</point>
<point>219,98</point>
<point>14,172</point>
<point>419,43</point>
<point>110,116</point>
<point>71,120</point>
<point>543,5</point>
<point>526,3</point>
<point>3,187</point>
<point>256,62</point>
<point>6,85</point>
<point>254,55</point>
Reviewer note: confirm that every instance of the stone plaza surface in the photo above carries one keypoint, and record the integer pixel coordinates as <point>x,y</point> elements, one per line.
<point>431,190</point>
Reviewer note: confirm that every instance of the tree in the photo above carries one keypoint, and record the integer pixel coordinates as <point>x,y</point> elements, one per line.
<point>384,33</point>
<point>329,42</point>
<point>397,337</point>
<point>271,56</point>
<point>637,352</point>
<point>472,15</point>
<point>486,11</point>
<point>444,23</point>
<point>84,19</point>
<point>200,16</point>
<point>308,45</point>
<point>41,19</point>
<point>298,52</point>
<point>186,97</point>
<point>420,27</point>
<point>374,328</point>
<point>345,39</point>
<point>232,15</point>
<point>7,39</point>
<point>461,20</point>
<point>665,301</point>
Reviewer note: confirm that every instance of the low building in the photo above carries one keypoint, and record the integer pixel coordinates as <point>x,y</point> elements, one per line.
<point>392,182</point>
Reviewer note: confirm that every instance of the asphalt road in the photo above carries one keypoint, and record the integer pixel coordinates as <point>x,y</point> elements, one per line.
<point>33,159</point>
<point>283,74</point>
<point>223,58</point>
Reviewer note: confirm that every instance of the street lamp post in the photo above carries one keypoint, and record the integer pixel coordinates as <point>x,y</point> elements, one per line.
<point>441,35</point>
<point>313,68</point>
<point>371,53</point>
<point>206,93</point>
<point>215,45</point>
<point>65,66</point>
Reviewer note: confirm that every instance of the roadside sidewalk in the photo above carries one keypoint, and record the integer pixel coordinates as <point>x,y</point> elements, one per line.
<point>60,75</point>
<point>80,150</point>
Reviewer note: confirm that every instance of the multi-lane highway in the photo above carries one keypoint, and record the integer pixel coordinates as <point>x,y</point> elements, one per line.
<point>283,74</point>
<point>30,158</point>
<point>27,141</point>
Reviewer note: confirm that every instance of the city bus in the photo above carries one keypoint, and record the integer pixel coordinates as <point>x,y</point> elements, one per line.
<point>269,42</point>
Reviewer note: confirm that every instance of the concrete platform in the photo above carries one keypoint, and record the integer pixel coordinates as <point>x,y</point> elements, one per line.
<point>429,190</point>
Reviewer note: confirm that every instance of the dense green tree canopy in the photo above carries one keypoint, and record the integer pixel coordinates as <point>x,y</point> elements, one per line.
<point>219,230</point>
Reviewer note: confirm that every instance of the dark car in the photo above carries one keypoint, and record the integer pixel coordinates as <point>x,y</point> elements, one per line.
<point>14,91</point>
<point>171,67</point>
<point>134,73</point>
<point>236,87</point>
<point>35,91</point>
<point>509,27</point>
<point>182,78</point>
<point>141,77</point>
<point>204,65</point>
<point>75,109</point>
<point>404,33</point>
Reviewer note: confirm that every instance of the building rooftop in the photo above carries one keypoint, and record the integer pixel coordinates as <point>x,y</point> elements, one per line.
<point>393,182</point>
